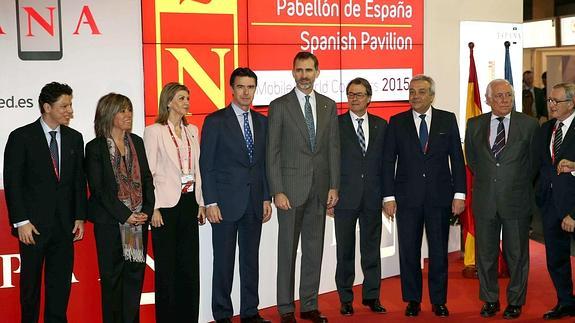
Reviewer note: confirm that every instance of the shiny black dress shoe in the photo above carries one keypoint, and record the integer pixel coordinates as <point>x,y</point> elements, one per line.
<point>226,320</point>
<point>489,309</point>
<point>314,316</point>
<point>346,309</point>
<point>440,310</point>
<point>254,319</point>
<point>512,312</point>
<point>559,312</point>
<point>288,318</point>
<point>374,305</point>
<point>413,308</point>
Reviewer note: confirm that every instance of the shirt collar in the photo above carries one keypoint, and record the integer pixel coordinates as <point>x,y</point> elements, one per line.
<point>494,117</point>
<point>567,122</point>
<point>427,113</point>
<point>237,110</point>
<point>301,95</point>
<point>47,128</point>
<point>355,116</point>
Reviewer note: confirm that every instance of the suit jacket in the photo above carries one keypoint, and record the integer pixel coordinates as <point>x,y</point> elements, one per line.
<point>361,176</point>
<point>503,185</point>
<point>33,191</point>
<point>165,166</point>
<point>228,177</point>
<point>291,164</point>
<point>104,205</point>
<point>421,177</point>
<point>562,196</point>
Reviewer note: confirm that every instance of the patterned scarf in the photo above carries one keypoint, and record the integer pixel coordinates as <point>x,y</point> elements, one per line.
<point>127,173</point>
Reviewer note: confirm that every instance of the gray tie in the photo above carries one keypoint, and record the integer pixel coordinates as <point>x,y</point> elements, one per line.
<point>309,123</point>
<point>54,153</point>
<point>361,135</point>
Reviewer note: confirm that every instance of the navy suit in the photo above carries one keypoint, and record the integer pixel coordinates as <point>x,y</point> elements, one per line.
<point>360,197</point>
<point>239,187</point>
<point>555,198</point>
<point>423,186</point>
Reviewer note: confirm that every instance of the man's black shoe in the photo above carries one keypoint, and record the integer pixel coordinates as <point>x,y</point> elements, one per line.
<point>512,312</point>
<point>374,305</point>
<point>440,310</point>
<point>413,308</point>
<point>346,309</point>
<point>559,312</point>
<point>489,309</point>
<point>254,319</point>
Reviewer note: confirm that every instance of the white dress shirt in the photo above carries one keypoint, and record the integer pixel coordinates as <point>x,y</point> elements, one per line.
<point>301,98</point>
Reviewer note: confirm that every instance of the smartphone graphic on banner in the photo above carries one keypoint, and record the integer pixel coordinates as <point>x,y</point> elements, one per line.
<point>39,27</point>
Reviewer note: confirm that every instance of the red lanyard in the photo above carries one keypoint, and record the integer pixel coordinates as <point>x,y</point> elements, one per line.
<point>178,149</point>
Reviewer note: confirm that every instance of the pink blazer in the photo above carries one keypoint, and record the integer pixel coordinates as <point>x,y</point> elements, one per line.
<point>165,167</point>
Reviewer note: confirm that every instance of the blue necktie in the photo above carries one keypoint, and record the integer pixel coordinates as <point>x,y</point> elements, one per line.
<point>309,123</point>
<point>54,153</point>
<point>361,135</point>
<point>248,137</point>
<point>499,142</point>
<point>423,133</point>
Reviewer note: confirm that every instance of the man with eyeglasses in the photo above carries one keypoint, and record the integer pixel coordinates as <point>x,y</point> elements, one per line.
<point>424,183</point>
<point>555,194</point>
<point>499,151</point>
<point>360,198</point>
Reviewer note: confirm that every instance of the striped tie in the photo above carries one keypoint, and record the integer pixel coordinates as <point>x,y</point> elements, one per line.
<point>360,135</point>
<point>499,139</point>
<point>557,140</point>
<point>309,123</point>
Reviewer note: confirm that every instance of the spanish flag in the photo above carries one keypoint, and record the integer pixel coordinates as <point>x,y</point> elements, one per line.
<point>467,220</point>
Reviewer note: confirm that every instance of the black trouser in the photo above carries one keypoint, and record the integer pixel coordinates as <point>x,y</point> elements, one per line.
<point>176,257</point>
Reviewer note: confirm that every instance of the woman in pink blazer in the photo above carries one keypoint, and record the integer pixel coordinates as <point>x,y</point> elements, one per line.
<point>173,151</point>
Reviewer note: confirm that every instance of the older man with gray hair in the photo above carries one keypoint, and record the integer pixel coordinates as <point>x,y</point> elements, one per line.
<point>499,151</point>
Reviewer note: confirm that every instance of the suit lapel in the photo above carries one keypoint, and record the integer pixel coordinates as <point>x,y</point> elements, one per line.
<point>351,132</point>
<point>436,122</point>
<point>412,131</point>
<point>484,132</point>
<point>567,140</point>
<point>65,151</point>
<point>44,150</point>
<point>294,109</point>
<point>321,115</point>
<point>514,130</point>
<point>373,132</point>
<point>259,136</point>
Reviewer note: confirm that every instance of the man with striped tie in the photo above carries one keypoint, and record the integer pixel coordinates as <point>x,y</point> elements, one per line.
<point>499,150</point>
<point>555,153</point>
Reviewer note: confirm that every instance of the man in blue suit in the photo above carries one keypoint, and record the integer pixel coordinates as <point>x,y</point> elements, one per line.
<point>235,190</point>
<point>425,189</point>
<point>556,142</point>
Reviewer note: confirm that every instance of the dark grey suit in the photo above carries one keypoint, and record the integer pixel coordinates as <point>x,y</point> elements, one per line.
<point>502,199</point>
<point>361,195</point>
<point>305,177</point>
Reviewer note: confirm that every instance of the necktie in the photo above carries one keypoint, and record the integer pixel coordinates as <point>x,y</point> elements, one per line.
<point>248,137</point>
<point>361,135</point>
<point>309,123</point>
<point>499,138</point>
<point>54,153</point>
<point>423,133</point>
<point>557,140</point>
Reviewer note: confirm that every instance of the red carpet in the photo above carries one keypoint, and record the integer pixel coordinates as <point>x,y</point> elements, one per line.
<point>463,298</point>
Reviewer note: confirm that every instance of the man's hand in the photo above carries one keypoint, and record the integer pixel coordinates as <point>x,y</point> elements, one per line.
<point>157,220</point>
<point>332,198</point>
<point>267,214</point>
<point>565,166</point>
<point>389,209</point>
<point>281,201</point>
<point>213,214</point>
<point>26,233</point>
<point>78,230</point>
<point>457,206</point>
<point>568,223</point>
<point>137,218</point>
<point>202,215</point>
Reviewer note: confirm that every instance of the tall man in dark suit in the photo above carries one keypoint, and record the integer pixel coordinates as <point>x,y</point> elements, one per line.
<point>303,172</point>
<point>425,189</point>
<point>556,194</point>
<point>360,197</point>
<point>499,151</point>
<point>235,190</point>
<point>45,191</point>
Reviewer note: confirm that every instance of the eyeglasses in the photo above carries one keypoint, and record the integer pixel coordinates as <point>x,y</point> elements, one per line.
<point>552,101</point>
<point>501,96</point>
<point>359,96</point>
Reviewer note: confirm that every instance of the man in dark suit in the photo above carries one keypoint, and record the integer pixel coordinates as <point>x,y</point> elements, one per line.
<point>303,172</point>
<point>360,197</point>
<point>499,152</point>
<point>427,187</point>
<point>533,99</point>
<point>555,194</point>
<point>235,189</point>
<point>45,191</point>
